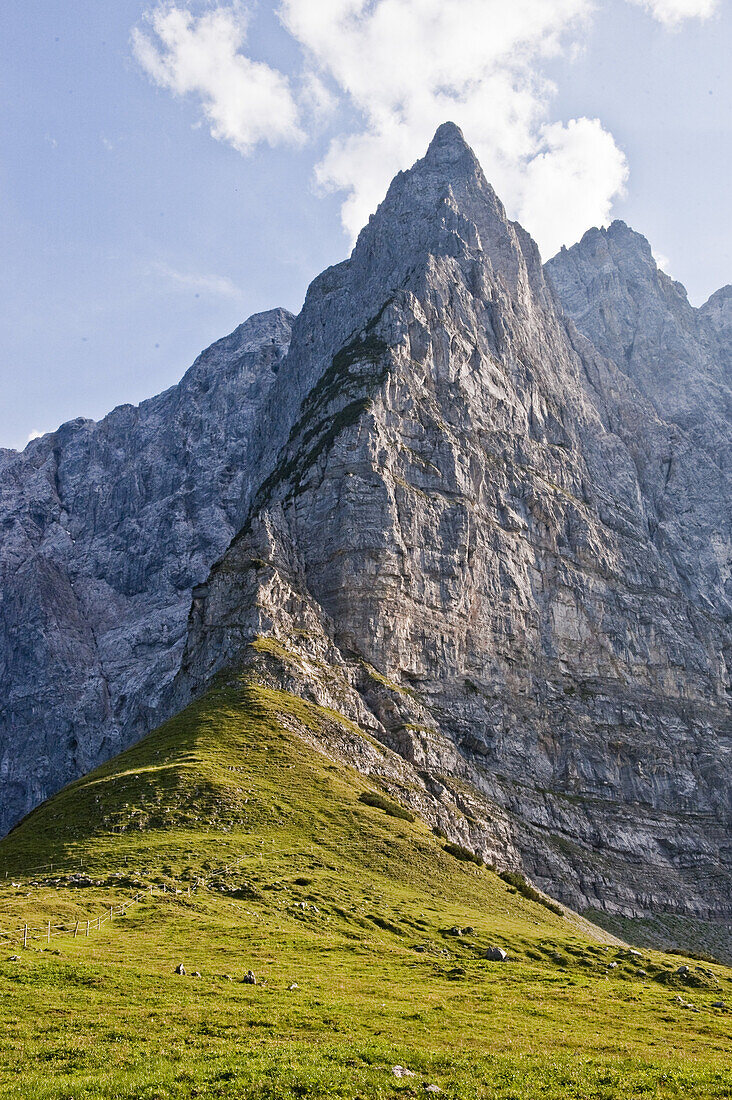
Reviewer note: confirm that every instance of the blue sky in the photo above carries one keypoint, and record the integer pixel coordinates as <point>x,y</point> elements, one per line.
<point>169,170</point>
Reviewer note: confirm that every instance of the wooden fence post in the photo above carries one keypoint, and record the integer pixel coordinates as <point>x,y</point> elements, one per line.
<point>111,913</point>
<point>48,932</point>
<point>76,930</point>
<point>25,935</point>
<point>87,928</point>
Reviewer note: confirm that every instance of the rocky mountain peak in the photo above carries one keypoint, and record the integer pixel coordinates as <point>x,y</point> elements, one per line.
<point>441,213</point>
<point>636,315</point>
<point>451,164</point>
<point>442,206</point>
<point>614,262</point>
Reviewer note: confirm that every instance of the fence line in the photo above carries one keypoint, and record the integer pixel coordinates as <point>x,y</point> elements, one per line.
<point>84,926</point>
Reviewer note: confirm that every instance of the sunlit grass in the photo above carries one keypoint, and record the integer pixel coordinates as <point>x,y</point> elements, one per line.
<point>355,907</point>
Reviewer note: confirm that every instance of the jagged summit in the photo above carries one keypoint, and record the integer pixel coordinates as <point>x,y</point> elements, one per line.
<point>612,288</point>
<point>442,205</point>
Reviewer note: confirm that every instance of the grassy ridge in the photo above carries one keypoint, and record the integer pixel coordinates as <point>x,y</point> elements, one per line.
<point>381,930</point>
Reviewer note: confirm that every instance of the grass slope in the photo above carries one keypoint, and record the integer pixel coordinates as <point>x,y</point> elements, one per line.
<point>348,916</point>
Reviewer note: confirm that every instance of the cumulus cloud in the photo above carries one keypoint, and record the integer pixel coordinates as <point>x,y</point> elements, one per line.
<point>576,175</point>
<point>400,68</point>
<point>407,65</point>
<point>244,101</point>
<point>35,434</point>
<point>673,12</point>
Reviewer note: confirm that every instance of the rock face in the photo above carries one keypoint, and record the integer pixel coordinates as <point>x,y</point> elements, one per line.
<point>495,537</point>
<point>522,542</point>
<point>104,530</point>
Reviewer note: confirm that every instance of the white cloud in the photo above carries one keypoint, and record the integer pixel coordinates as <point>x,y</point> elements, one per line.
<point>408,65</point>
<point>673,12</point>
<point>35,434</point>
<point>570,184</point>
<point>244,101</point>
<point>219,285</point>
<point>400,68</point>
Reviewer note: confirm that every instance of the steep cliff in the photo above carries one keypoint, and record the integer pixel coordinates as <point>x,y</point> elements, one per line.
<point>105,528</point>
<point>487,544</point>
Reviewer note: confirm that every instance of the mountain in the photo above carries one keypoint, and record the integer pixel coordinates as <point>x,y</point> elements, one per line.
<point>473,503</point>
<point>485,529</point>
<point>105,529</point>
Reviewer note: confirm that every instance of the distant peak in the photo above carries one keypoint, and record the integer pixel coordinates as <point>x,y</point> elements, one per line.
<point>616,240</point>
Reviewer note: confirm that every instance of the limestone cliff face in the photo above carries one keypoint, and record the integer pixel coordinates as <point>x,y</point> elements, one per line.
<point>495,548</point>
<point>483,513</point>
<point>104,530</point>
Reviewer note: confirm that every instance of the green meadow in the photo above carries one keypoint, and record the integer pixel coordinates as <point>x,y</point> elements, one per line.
<point>367,935</point>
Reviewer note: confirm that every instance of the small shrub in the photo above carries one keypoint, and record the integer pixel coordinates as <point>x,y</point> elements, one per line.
<point>463,854</point>
<point>439,833</point>
<point>381,802</point>
<point>519,883</point>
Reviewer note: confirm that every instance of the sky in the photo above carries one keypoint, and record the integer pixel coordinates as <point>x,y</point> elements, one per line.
<point>169,168</point>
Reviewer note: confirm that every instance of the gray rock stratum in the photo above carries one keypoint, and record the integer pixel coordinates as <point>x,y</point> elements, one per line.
<point>494,534</point>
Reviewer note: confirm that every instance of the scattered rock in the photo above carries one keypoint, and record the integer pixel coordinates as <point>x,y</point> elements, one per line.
<point>718,1004</point>
<point>400,1071</point>
<point>249,978</point>
<point>683,971</point>
<point>180,969</point>
<point>196,974</point>
<point>496,954</point>
<point>293,986</point>
<point>612,966</point>
<point>432,1088</point>
<point>14,959</point>
<point>227,977</point>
